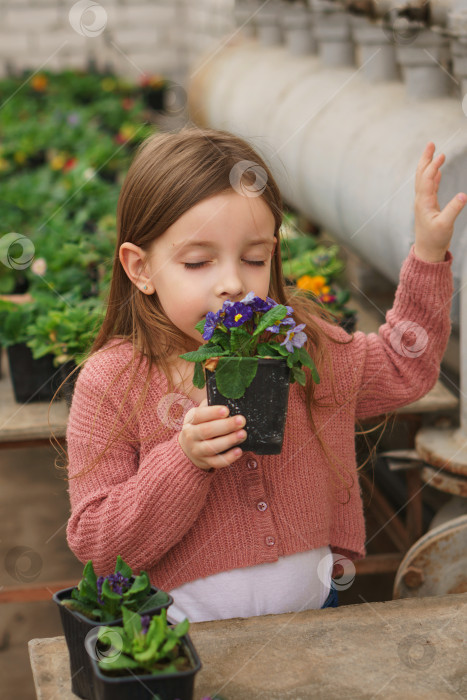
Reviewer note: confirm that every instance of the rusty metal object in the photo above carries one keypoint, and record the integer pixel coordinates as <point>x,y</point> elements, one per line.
<point>436,564</point>
<point>413,577</point>
<point>444,449</point>
<point>443,481</point>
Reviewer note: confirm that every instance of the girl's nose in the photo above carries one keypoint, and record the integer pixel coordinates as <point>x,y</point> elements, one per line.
<point>230,285</point>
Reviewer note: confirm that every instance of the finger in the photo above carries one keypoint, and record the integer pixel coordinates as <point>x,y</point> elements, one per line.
<point>225,459</point>
<point>221,446</point>
<point>223,427</point>
<point>202,414</point>
<point>427,181</point>
<point>452,210</point>
<point>426,156</point>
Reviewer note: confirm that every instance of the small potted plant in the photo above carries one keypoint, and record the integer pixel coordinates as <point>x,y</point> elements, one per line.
<point>254,351</point>
<point>65,332</point>
<point>98,601</point>
<point>146,658</point>
<point>33,379</point>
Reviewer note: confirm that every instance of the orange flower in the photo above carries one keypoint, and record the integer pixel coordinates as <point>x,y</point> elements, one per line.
<point>315,284</point>
<point>39,82</point>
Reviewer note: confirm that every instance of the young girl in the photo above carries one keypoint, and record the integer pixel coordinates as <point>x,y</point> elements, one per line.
<point>157,475</point>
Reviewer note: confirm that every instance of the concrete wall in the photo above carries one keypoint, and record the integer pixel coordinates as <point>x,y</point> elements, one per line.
<point>132,36</point>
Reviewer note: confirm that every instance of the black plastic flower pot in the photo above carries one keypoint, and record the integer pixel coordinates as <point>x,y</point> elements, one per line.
<point>68,387</point>
<point>166,686</point>
<point>264,405</point>
<point>32,380</point>
<point>349,323</point>
<point>154,98</point>
<point>75,627</point>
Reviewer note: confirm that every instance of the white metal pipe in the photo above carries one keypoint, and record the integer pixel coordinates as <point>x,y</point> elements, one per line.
<point>343,150</point>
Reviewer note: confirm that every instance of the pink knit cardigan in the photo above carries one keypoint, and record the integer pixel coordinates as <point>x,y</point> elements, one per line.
<point>149,503</point>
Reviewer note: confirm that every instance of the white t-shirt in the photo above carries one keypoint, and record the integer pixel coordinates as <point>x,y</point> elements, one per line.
<point>297,582</point>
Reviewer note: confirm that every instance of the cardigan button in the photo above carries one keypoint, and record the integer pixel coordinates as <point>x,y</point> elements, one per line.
<point>252,464</point>
<point>270,540</point>
<point>261,505</point>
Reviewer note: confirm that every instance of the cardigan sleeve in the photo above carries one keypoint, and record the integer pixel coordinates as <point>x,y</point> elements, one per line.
<point>138,508</point>
<point>401,363</point>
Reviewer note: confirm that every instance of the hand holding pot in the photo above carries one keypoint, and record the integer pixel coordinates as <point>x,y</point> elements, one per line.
<point>207,432</point>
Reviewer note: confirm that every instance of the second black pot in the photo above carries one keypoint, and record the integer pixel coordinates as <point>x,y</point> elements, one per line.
<point>264,405</point>
<point>32,379</point>
<point>75,627</point>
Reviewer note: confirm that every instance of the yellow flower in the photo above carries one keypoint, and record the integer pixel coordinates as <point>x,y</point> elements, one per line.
<point>20,157</point>
<point>315,284</point>
<point>4,165</point>
<point>108,84</point>
<point>58,162</point>
<point>128,131</point>
<point>156,81</point>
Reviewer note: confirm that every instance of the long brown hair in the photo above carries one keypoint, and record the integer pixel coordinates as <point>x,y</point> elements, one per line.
<point>155,193</point>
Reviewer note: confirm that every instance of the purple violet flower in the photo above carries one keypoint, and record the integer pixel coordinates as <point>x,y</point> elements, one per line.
<point>145,620</point>
<point>237,315</point>
<point>274,303</point>
<point>285,322</point>
<point>210,325</point>
<point>118,583</point>
<point>256,303</point>
<point>295,338</point>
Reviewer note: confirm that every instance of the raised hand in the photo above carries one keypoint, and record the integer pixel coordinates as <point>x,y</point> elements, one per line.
<point>433,227</point>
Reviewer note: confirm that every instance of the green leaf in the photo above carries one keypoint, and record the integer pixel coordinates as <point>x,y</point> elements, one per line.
<point>118,663</point>
<point>123,567</point>
<point>298,375</point>
<point>140,584</point>
<point>234,375</point>
<point>156,599</point>
<point>203,353</point>
<point>107,592</point>
<point>270,318</point>
<point>182,627</point>
<point>200,325</point>
<point>89,574</point>
<point>241,342</point>
<point>306,360</point>
<point>199,379</point>
<point>264,349</point>
<point>131,623</point>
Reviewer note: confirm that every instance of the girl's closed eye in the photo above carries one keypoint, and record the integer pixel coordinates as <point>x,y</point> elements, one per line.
<point>195,265</point>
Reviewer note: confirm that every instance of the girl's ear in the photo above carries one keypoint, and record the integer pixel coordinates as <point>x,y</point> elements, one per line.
<point>274,247</point>
<point>133,260</point>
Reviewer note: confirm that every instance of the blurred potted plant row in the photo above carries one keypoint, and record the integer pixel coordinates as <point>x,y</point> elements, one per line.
<point>66,142</point>
<point>317,270</point>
